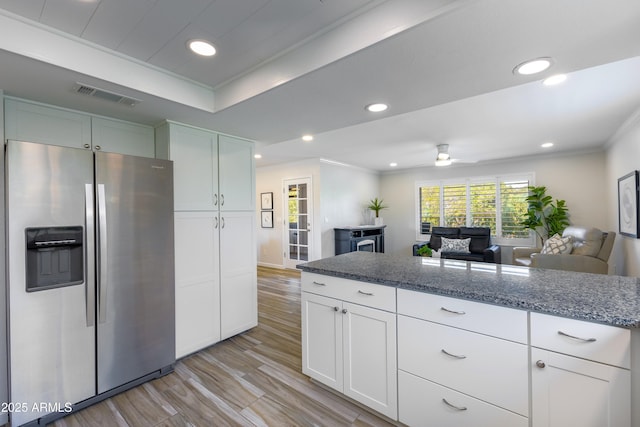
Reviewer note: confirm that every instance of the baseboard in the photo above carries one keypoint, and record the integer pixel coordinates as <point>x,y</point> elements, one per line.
<point>269,265</point>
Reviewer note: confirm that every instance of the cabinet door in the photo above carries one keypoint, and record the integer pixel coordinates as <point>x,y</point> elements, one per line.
<point>195,170</point>
<point>322,339</point>
<point>238,274</point>
<point>370,364</point>
<point>197,281</point>
<point>567,391</point>
<point>237,174</point>
<point>25,121</point>
<point>115,136</point>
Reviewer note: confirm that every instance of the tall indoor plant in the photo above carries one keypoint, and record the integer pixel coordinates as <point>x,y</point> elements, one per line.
<point>544,215</point>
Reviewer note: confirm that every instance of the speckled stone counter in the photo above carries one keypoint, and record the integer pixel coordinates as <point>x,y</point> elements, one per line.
<point>612,300</point>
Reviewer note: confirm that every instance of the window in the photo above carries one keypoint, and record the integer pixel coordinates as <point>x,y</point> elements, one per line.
<point>495,202</point>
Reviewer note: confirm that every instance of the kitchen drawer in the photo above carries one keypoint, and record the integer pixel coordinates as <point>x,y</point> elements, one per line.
<point>490,369</point>
<point>422,403</point>
<point>501,322</point>
<point>363,293</point>
<point>592,341</point>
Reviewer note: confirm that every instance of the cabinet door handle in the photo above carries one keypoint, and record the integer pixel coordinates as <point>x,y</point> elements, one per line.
<point>222,200</point>
<point>452,311</point>
<point>564,334</point>
<point>215,200</point>
<point>459,408</point>
<point>456,356</point>
<point>365,293</point>
<point>540,364</point>
<point>318,283</point>
<point>87,146</point>
<point>216,226</point>
<point>222,222</point>
<point>98,148</point>
<point>344,311</point>
<point>336,308</point>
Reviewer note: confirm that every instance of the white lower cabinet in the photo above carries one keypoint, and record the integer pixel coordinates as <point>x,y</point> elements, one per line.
<point>573,391</point>
<point>216,282</point>
<point>423,403</point>
<point>352,349</point>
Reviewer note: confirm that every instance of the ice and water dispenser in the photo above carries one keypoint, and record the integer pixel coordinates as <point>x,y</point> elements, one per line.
<point>54,257</point>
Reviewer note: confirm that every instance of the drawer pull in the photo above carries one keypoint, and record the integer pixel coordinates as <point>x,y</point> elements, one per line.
<point>366,293</point>
<point>336,308</point>
<point>318,283</point>
<point>540,364</point>
<point>452,311</point>
<point>457,356</point>
<point>459,408</point>
<point>576,338</point>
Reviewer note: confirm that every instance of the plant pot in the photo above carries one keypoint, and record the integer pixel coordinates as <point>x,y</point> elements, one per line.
<point>378,221</point>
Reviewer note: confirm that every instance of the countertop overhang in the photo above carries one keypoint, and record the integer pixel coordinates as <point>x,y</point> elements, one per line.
<point>611,300</point>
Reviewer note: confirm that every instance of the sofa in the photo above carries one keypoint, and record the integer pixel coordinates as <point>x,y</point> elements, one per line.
<point>479,245</point>
<point>588,251</point>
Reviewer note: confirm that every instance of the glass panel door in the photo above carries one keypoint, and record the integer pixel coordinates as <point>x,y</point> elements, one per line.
<point>298,221</point>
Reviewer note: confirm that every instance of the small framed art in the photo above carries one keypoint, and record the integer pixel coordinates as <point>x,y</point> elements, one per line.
<point>266,219</point>
<point>266,200</point>
<point>628,205</point>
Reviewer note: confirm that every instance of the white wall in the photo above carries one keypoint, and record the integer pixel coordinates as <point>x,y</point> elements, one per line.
<point>340,196</point>
<point>623,156</point>
<point>345,194</point>
<point>580,179</point>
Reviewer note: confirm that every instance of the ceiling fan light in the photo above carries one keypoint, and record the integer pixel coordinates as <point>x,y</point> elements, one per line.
<point>443,162</point>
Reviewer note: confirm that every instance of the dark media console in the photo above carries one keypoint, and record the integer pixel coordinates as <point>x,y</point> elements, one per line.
<point>368,238</point>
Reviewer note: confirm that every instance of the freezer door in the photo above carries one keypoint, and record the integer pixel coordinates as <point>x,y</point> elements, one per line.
<point>136,291</point>
<point>52,332</point>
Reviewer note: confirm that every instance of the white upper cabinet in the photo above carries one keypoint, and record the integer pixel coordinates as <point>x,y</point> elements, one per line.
<point>237,180</point>
<point>195,168</point>
<point>116,136</point>
<point>27,121</point>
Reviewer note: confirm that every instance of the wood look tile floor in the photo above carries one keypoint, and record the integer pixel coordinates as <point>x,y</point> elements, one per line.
<point>253,379</point>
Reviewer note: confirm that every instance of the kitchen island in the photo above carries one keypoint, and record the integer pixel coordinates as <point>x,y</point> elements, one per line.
<point>444,342</point>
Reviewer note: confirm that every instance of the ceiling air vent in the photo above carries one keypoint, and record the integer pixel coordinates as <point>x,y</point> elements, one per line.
<point>105,95</point>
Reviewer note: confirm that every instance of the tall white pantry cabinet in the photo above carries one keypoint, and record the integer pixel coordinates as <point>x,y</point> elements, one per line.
<point>214,199</point>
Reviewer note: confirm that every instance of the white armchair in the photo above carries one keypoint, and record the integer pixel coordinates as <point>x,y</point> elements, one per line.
<point>590,254</point>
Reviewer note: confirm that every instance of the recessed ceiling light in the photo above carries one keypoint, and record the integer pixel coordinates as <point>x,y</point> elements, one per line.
<point>393,164</point>
<point>201,47</point>
<point>257,156</point>
<point>307,138</point>
<point>548,144</point>
<point>554,80</point>
<point>376,108</point>
<point>533,66</point>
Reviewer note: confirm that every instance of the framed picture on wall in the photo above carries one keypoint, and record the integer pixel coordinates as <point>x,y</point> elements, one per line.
<point>266,200</point>
<point>266,220</point>
<point>628,205</point>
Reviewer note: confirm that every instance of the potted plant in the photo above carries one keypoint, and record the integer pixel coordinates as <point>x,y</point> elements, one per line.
<point>425,251</point>
<point>544,215</point>
<point>376,206</point>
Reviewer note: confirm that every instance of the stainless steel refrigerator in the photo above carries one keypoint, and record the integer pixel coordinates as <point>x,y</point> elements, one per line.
<point>90,274</point>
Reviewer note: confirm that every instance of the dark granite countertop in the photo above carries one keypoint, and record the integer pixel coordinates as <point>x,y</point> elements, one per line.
<point>612,300</point>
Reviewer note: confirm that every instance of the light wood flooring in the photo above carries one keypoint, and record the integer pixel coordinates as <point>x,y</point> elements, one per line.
<point>253,379</point>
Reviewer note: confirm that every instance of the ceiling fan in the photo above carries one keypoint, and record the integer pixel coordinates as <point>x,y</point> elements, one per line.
<point>444,159</point>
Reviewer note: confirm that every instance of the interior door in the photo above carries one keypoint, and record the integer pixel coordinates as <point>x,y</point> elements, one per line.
<point>298,220</point>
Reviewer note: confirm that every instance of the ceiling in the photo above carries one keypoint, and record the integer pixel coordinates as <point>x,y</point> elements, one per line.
<point>285,68</point>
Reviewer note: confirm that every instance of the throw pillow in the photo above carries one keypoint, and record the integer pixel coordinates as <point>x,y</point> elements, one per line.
<point>585,241</point>
<point>455,245</point>
<point>557,245</point>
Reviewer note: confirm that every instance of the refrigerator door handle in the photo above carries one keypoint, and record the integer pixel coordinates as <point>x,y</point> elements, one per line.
<point>90,288</point>
<point>102,254</point>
